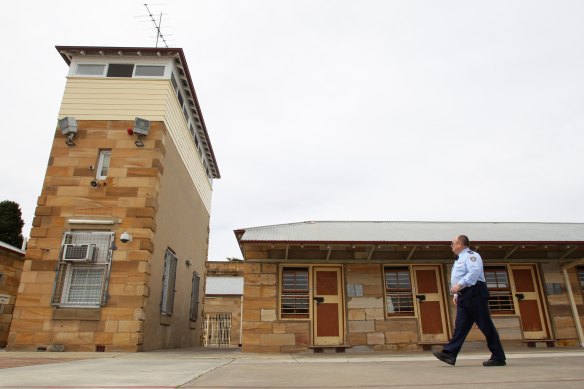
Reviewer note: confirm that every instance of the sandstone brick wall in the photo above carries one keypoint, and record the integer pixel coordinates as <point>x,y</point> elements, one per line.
<point>182,225</point>
<point>129,195</point>
<point>11,264</point>
<point>366,314</point>
<point>262,331</point>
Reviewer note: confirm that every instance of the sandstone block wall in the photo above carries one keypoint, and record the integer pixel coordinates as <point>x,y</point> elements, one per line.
<point>11,264</point>
<point>129,196</point>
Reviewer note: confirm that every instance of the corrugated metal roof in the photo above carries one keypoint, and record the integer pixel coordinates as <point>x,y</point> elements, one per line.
<point>11,248</point>
<point>387,232</point>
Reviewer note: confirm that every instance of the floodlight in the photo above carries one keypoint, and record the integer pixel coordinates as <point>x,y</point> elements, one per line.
<point>68,125</point>
<point>141,126</point>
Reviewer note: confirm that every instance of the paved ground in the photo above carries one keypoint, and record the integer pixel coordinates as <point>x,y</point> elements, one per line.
<point>198,368</point>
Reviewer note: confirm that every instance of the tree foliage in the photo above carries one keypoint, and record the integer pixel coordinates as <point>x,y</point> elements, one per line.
<point>11,223</point>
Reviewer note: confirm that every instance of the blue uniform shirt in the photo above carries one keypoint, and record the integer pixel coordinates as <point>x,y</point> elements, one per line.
<point>468,269</point>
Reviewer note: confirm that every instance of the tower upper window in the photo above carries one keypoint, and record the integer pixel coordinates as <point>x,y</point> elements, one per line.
<point>120,70</point>
<point>149,71</point>
<point>90,70</point>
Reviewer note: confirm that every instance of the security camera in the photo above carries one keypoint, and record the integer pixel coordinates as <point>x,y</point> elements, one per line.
<point>94,183</point>
<point>126,237</point>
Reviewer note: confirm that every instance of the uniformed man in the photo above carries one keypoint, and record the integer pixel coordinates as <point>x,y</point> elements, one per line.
<point>471,296</point>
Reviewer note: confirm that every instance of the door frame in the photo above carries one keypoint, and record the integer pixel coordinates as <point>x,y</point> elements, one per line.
<point>341,303</point>
<point>537,282</point>
<point>442,298</point>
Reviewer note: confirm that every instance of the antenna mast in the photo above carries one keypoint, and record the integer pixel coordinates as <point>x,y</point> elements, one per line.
<point>157,26</point>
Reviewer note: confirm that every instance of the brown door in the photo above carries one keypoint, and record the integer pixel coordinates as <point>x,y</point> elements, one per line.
<point>328,326</point>
<point>430,305</point>
<point>527,298</point>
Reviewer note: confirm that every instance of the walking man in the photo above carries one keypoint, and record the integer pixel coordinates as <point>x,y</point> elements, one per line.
<point>471,297</point>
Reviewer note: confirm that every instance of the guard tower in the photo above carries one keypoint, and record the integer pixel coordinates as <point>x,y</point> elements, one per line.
<point>120,234</point>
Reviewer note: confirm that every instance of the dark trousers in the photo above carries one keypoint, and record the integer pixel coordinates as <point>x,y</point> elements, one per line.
<point>473,307</point>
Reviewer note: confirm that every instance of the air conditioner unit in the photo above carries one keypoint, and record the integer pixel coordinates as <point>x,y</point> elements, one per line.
<point>79,252</point>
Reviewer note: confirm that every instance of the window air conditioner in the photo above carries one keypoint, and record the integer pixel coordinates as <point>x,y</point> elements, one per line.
<point>79,252</point>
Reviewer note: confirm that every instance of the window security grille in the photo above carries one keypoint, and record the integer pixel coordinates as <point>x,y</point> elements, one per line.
<point>501,298</point>
<point>195,297</point>
<point>294,301</point>
<point>81,283</point>
<point>168,283</point>
<point>398,292</point>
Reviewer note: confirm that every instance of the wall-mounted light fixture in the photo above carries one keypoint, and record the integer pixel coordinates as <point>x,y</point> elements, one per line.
<point>188,262</point>
<point>141,128</point>
<point>68,126</point>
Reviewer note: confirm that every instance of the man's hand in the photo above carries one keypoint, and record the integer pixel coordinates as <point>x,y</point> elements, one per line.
<point>455,288</point>
<point>455,298</point>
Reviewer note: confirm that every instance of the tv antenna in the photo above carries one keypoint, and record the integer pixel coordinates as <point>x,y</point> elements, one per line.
<point>159,35</point>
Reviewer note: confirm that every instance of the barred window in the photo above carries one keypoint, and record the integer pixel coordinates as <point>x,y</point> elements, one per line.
<point>581,276</point>
<point>501,298</point>
<point>83,269</point>
<point>294,303</point>
<point>398,292</point>
<point>168,283</point>
<point>195,297</point>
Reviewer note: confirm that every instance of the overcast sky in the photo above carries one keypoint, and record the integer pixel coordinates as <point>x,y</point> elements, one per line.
<point>337,110</point>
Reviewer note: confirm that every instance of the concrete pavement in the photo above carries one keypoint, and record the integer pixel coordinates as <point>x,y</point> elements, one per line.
<point>203,368</point>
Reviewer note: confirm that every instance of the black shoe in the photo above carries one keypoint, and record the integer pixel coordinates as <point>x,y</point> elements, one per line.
<point>444,357</point>
<point>494,362</point>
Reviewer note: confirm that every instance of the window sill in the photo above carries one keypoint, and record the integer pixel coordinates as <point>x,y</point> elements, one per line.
<point>165,320</point>
<point>76,313</point>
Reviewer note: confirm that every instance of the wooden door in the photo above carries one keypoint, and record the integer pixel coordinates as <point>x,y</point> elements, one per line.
<point>430,306</point>
<point>328,325</point>
<point>527,298</point>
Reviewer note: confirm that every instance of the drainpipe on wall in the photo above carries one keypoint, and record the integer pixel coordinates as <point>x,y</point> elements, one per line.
<point>241,323</point>
<point>572,301</point>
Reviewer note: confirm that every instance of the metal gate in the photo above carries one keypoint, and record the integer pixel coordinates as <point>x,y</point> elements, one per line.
<point>217,330</point>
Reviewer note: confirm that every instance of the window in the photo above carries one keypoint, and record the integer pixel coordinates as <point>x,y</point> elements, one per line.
<point>398,292</point>
<point>581,276</point>
<point>181,101</point>
<point>90,70</point>
<point>103,164</point>
<point>149,71</point>
<point>173,81</point>
<point>168,283</point>
<point>501,299</point>
<point>294,303</point>
<point>120,70</point>
<point>195,297</point>
<point>81,280</point>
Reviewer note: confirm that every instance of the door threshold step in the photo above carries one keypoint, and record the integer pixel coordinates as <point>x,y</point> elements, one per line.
<point>534,342</point>
<point>339,348</point>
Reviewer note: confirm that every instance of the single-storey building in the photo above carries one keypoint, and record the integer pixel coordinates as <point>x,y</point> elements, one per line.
<point>385,285</point>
